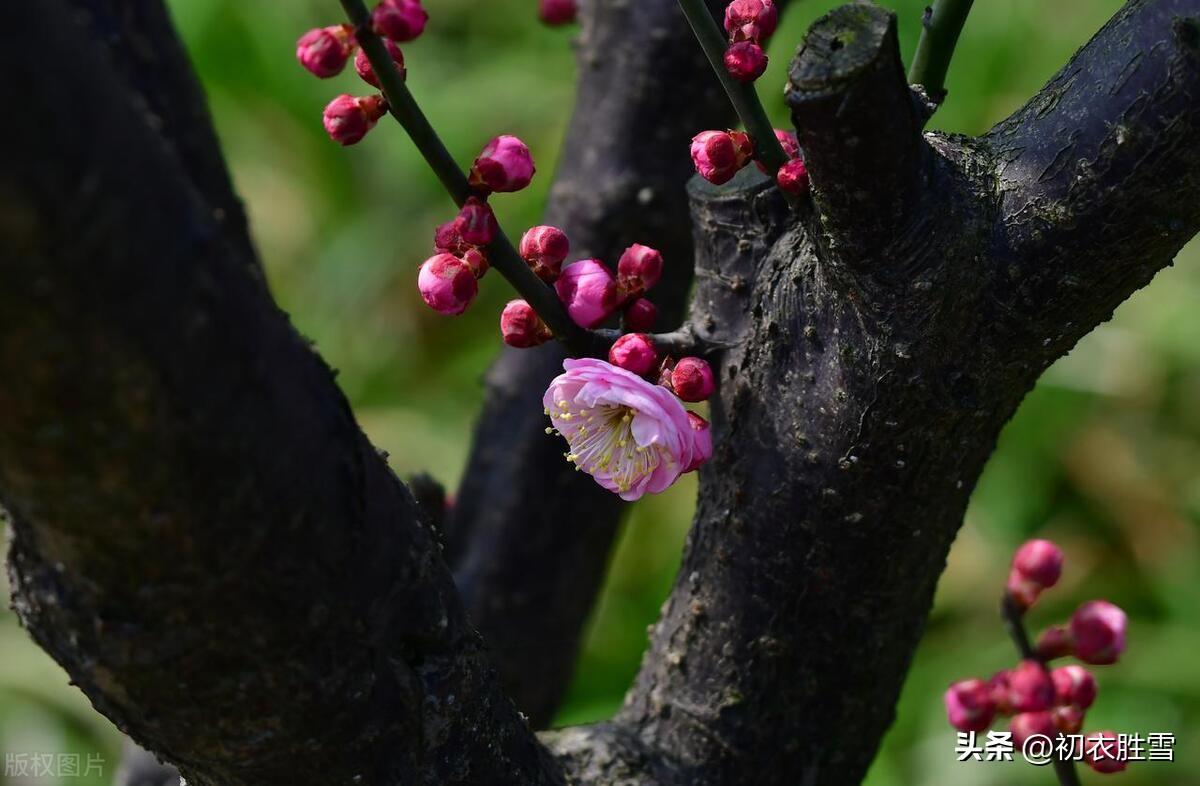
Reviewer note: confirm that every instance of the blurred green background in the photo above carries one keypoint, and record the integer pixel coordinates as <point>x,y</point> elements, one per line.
<point>1103,457</point>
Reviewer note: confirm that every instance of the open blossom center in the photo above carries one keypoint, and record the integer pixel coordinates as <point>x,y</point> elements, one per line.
<point>602,441</point>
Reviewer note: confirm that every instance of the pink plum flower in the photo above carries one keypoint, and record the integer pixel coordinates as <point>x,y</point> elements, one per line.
<point>521,327</point>
<point>632,436</point>
<point>1098,632</point>
<point>363,66</point>
<point>701,442</point>
<point>692,379</point>
<point>544,248</point>
<point>638,270</point>
<point>504,165</point>
<point>324,51</point>
<point>634,352</point>
<point>969,705</point>
<point>750,20</point>
<point>745,61</point>
<point>348,119</point>
<point>399,20</point>
<point>589,292</point>
<point>447,284</point>
<point>792,177</point>
<point>557,12</point>
<point>640,315</point>
<point>718,155</point>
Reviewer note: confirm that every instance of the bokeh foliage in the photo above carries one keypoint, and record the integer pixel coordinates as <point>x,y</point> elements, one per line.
<point>1104,456</point>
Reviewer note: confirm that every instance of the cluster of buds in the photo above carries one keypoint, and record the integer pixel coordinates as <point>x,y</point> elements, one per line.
<point>325,51</point>
<point>557,12</point>
<point>749,24</point>
<point>719,155</point>
<point>1038,699</point>
<point>448,280</point>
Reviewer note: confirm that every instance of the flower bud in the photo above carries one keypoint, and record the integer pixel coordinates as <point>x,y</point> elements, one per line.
<point>1074,685</point>
<point>447,284</point>
<point>1098,632</point>
<point>545,248</point>
<point>745,61</point>
<point>557,12</point>
<point>753,20</point>
<point>1000,692</point>
<point>399,20</point>
<point>1103,753</point>
<point>1040,562</point>
<point>638,270</point>
<point>692,379</point>
<point>504,165</point>
<point>363,66</point>
<point>1068,719</point>
<point>348,119</point>
<point>634,352</point>
<point>521,327</point>
<point>589,292</point>
<point>640,315</point>
<point>1030,724</point>
<point>447,238</point>
<point>1055,642</point>
<point>702,442</point>
<point>1030,688</point>
<point>789,143</point>
<point>476,259</point>
<point>476,223</point>
<point>718,155</point>
<point>969,705</point>
<point>324,51</point>
<point>792,177</point>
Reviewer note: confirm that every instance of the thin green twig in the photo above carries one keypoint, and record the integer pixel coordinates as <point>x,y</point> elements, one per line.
<point>943,22</point>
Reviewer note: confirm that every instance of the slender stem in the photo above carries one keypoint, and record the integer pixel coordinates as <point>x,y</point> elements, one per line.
<point>1013,618</point>
<point>939,34</point>
<point>501,254</point>
<point>742,95</point>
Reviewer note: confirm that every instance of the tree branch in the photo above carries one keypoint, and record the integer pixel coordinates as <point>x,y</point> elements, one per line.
<point>940,29</point>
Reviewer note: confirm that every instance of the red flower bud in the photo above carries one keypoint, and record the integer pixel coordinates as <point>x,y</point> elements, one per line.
<point>745,61</point>
<point>1040,562</point>
<point>1030,688</point>
<point>701,443</point>
<point>476,223</point>
<point>521,327</point>
<point>545,248</point>
<point>363,66</point>
<point>557,12</point>
<point>324,51</point>
<point>1098,631</point>
<point>969,705</point>
<point>1055,642</point>
<point>1074,685</point>
<point>1031,724</point>
<point>1000,692</point>
<point>476,259</point>
<point>634,352</point>
<point>792,177</point>
<point>751,19</point>
<point>447,238</point>
<point>640,315</point>
<point>504,165</point>
<point>638,270</point>
<point>399,20</point>
<point>348,119</point>
<point>692,379</point>
<point>718,155</point>
<point>1068,719</point>
<point>789,143</point>
<point>589,292</point>
<point>1103,753</point>
<point>447,284</point>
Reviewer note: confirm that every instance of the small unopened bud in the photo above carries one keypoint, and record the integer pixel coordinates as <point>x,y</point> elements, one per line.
<point>1074,685</point>
<point>1039,561</point>
<point>1031,724</point>
<point>521,327</point>
<point>363,66</point>
<point>589,292</point>
<point>998,686</point>
<point>1068,719</point>
<point>792,177</point>
<point>348,119</point>
<point>789,143</point>
<point>476,222</point>
<point>447,284</point>
<point>692,379</point>
<point>634,352</point>
<point>1102,752</point>
<point>969,705</point>
<point>1055,642</point>
<point>1098,632</point>
<point>447,238</point>
<point>324,51</point>
<point>753,20</point>
<point>557,12</point>
<point>745,61</point>
<point>399,20</point>
<point>504,165</point>
<point>640,315</point>
<point>1030,688</point>
<point>476,259</point>
<point>718,155</point>
<point>638,270</point>
<point>544,248</point>
<point>701,442</point>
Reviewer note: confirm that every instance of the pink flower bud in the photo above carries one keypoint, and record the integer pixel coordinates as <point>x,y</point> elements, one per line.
<point>759,15</point>
<point>718,155</point>
<point>557,12</point>
<point>640,315</point>
<point>504,165</point>
<point>1068,719</point>
<point>348,119</point>
<point>634,352</point>
<point>447,238</point>
<point>969,705</point>
<point>476,259</point>
<point>447,284</point>
<point>745,61</point>
<point>545,248</point>
<point>702,444</point>
<point>589,292</point>
<point>1000,692</point>
<point>638,270</point>
<point>1103,753</point>
<point>324,51</point>
<point>792,177</point>
<point>521,327</point>
<point>476,222</point>
<point>363,66</point>
<point>1098,631</point>
<point>1055,642</point>
<point>399,20</point>
<point>1040,562</point>
<point>1074,685</point>
<point>789,143</point>
<point>692,379</point>
<point>1031,724</point>
<point>1030,688</point>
